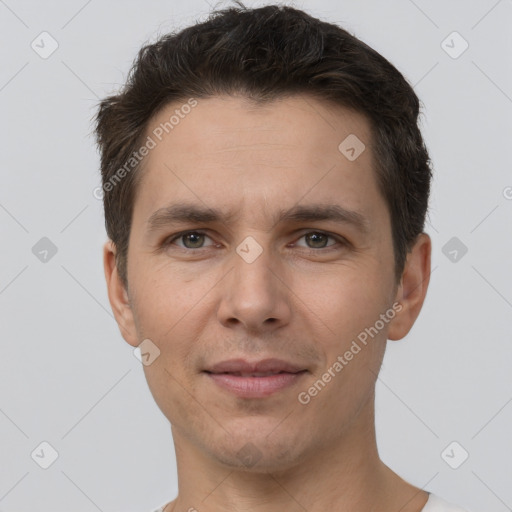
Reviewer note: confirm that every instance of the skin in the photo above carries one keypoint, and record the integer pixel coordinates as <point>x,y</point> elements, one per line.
<point>303,300</point>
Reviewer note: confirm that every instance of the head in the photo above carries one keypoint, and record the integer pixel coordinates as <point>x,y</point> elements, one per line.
<point>258,117</point>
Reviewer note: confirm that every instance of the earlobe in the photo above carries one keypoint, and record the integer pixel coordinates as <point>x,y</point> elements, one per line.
<point>118,296</point>
<point>413,287</point>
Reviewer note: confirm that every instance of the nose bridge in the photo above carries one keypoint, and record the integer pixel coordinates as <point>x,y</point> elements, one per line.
<point>253,262</point>
<point>254,295</point>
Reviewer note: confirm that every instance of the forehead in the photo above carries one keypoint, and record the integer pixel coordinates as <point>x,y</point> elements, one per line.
<point>222,124</point>
<point>228,152</point>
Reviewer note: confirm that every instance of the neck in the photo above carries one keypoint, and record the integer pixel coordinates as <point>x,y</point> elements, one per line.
<point>347,475</point>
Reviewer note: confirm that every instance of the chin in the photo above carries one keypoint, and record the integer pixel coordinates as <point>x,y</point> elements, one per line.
<point>258,449</point>
<point>252,459</point>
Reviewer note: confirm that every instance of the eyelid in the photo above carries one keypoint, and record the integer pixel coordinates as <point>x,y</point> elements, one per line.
<point>336,238</point>
<point>178,236</point>
<point>303,232</point>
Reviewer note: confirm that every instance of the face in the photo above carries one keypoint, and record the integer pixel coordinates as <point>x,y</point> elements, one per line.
<point>260,255</point>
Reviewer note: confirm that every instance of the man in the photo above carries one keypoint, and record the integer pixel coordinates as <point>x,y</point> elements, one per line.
<point>265,190</point>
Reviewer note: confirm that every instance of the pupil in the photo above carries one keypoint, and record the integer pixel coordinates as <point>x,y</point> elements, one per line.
<point>195,239</point>
<point>191,236</point>
<point>316,236</point>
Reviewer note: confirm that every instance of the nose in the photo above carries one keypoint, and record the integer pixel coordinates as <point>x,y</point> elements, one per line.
<point>254,295</point>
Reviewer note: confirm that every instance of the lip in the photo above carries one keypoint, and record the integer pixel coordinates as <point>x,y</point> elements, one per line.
<point>237,376</point>
<point>261,366</point>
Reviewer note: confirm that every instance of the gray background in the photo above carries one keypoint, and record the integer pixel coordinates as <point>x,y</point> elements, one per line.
<point>68,378</point>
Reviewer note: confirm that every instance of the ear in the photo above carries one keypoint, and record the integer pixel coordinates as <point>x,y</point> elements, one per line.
<point>118,296</point>
<point>413,286</point>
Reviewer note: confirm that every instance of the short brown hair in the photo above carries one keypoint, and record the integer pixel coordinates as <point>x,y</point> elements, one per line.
<point>264,54</point>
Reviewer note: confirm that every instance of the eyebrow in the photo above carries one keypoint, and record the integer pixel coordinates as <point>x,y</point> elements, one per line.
<point>180,213</point>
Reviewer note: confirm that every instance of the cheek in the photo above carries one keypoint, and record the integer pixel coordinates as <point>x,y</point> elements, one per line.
<point>344,301</point>
<point>172,309</point>
<point>171,392</point>
<point>165,296</point>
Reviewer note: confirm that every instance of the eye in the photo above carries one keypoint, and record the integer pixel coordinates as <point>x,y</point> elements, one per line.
<point>318,239</point>
<point>190,239</point>
<point>196,240</point>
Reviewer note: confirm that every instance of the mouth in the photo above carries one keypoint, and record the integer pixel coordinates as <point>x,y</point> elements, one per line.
<point>255,380</point>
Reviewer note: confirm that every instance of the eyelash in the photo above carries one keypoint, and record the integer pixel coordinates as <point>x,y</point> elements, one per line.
<point>340,241</point>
